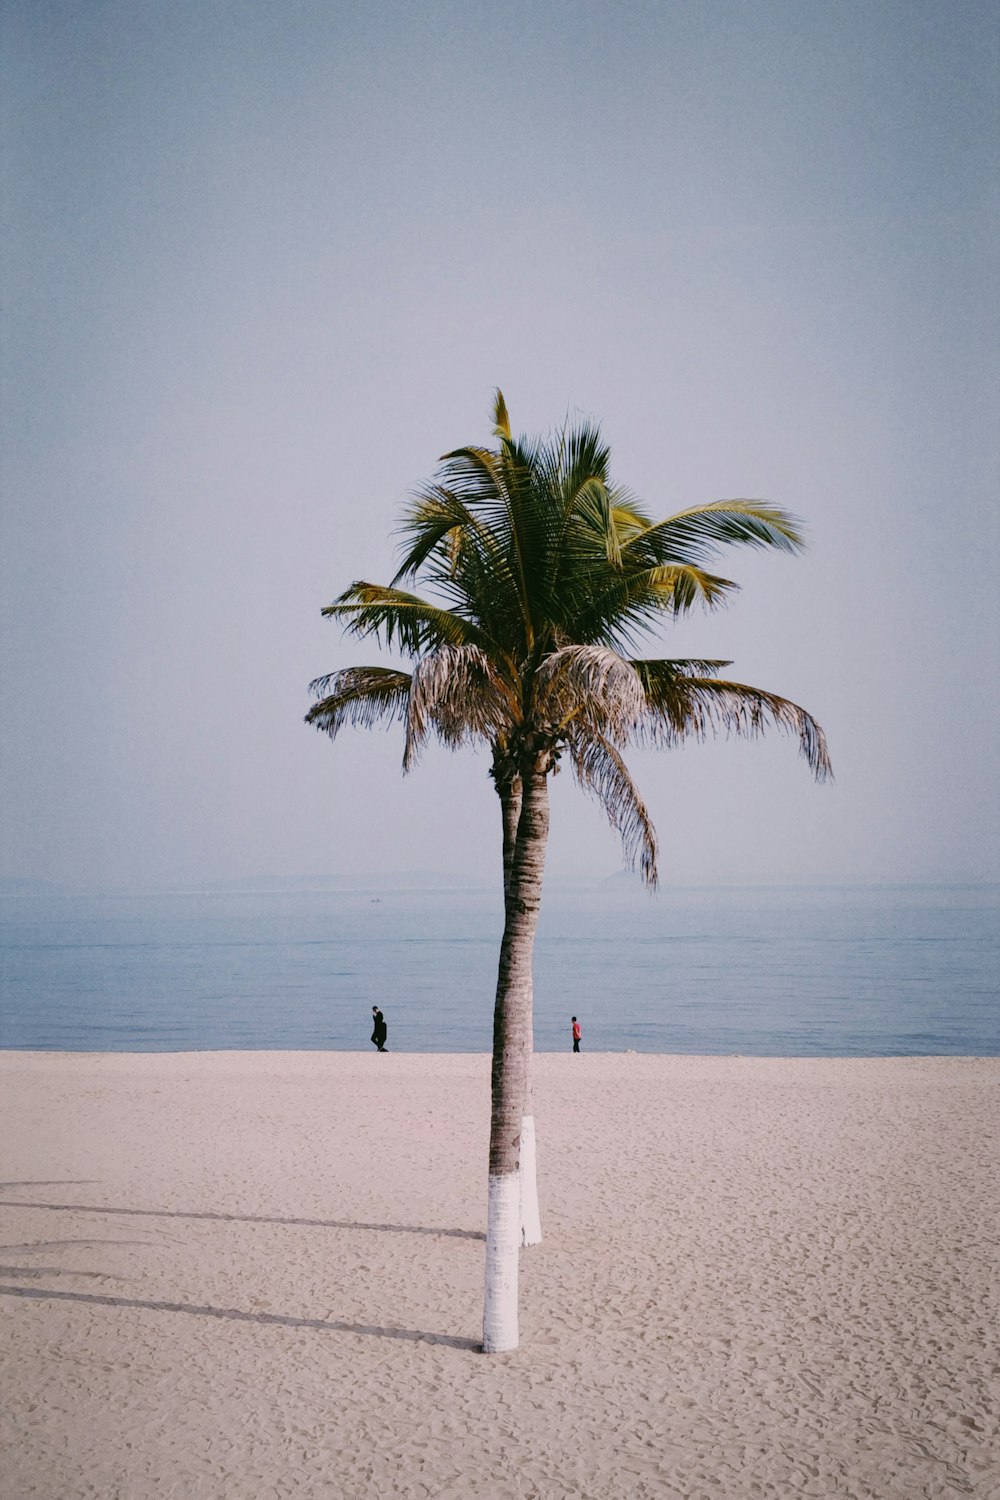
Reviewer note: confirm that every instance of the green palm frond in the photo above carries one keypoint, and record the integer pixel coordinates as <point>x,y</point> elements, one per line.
<point>498,489</point>
<point>624,605</point>
<point>398,618</point>
<point>601,771</point>
<point>681,667</point>
<point>669,588</point>
<point>464,560</point>
<point>359,696</point>
<point>593,530</point>
<point>436,520</point>
<point>630,515</point>
<point>696,535</point>
<point>501,421</point>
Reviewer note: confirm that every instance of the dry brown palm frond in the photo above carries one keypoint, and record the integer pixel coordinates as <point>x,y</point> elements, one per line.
<point>359,696</point>
<point>684,707</point>
<point>592,683</point>
<point>602,772</point>
<point>458,694</point>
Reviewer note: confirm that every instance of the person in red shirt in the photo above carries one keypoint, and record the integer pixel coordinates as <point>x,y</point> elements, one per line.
<point>577,1034</point>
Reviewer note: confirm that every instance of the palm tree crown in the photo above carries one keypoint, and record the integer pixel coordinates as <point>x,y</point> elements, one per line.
<point>544,574</point>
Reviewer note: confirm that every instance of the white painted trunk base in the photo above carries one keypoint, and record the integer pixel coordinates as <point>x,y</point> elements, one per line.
<point>531,1224</point>
<point>503,1238</point>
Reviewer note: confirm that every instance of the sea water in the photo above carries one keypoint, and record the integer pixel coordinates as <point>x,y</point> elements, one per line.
<point>849,971</point>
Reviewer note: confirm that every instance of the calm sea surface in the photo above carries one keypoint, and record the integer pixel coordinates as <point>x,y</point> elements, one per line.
<point>857,971</point>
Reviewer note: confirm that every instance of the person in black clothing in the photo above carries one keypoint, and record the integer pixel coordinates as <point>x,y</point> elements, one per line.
<point>379,1030</point>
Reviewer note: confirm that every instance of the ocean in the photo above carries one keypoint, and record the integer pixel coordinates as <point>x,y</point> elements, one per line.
<point>803,972</point>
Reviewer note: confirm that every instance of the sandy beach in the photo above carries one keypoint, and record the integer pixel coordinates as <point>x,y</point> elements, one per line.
<point>260,1274</point>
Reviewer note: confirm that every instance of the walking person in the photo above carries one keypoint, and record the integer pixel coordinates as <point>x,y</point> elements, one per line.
<point>577,1034</point>
<point>379,1029</point>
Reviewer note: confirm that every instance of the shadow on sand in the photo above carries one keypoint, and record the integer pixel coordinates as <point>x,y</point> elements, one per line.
<point>235,1314</point>
<point>164,1213</point>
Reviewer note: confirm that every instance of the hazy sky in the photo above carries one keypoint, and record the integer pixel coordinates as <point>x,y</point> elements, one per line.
<point>265,262</point>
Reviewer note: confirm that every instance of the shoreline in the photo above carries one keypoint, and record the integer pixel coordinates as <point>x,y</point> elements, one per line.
<point>263,1272</point>
<point>304,1052</point>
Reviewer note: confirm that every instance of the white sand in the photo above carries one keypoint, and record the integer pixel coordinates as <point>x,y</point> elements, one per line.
<point>259,1275</point>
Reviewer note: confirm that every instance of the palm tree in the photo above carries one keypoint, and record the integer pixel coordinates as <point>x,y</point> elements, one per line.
<point>544,574</point>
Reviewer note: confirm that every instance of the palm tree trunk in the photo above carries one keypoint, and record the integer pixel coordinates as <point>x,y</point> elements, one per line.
<point>511,1051</point>
<point>508,785</point>
<point>531,1222</point>
<point>509,788</point>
